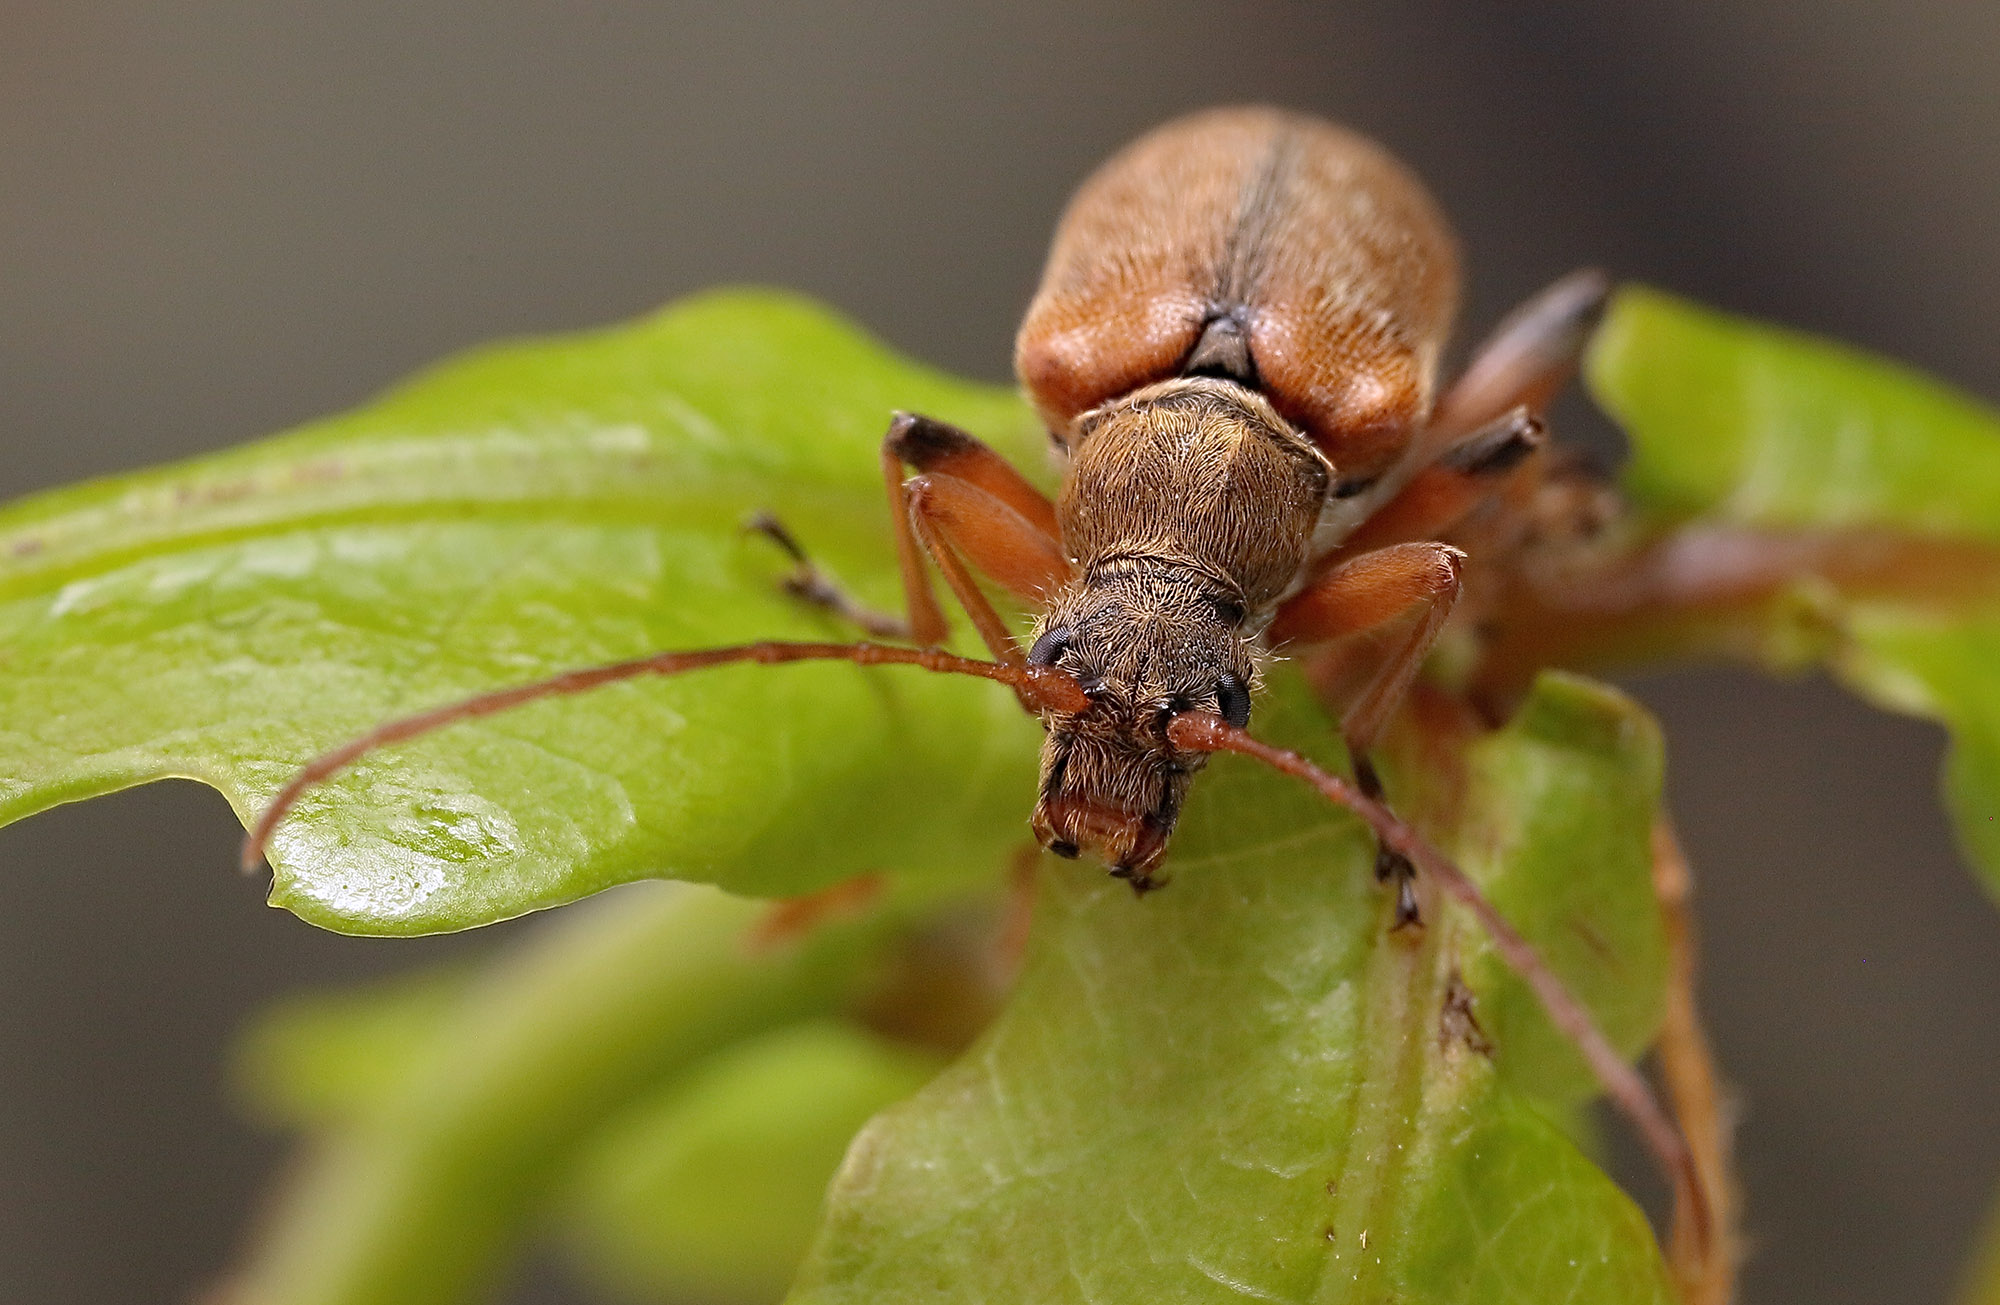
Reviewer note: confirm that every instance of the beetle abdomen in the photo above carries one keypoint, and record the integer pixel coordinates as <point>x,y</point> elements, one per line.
<point>1266,246</point>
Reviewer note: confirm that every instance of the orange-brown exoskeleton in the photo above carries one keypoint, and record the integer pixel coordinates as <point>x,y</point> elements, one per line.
<point>1235,348</point>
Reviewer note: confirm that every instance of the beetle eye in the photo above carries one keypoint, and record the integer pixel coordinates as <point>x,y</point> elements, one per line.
<point>1232,700</point>
<point>1053,644</point>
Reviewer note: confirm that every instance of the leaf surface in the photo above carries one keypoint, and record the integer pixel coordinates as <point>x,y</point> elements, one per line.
<point>1740,424</point>
<point>1247,1087</point>
<point>322,1059</point>
<point>527,509</point>
<point>712,1185</point>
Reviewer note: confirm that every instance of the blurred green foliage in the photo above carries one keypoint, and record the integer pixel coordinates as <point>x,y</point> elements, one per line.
<point>1739,424</point>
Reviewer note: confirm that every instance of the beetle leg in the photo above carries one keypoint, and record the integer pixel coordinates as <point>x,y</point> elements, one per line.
<point>1483,437</point>
<point>1529,357</point>
<point>1010,948</point>
<point>959,521</point>
<point>809,584</point>
<point>927,445</point>
<point>1491,461</point>
<point>792,918</point>
<point>1368,593</point>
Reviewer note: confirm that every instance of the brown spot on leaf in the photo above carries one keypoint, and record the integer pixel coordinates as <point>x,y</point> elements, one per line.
<point>1458,1023</point>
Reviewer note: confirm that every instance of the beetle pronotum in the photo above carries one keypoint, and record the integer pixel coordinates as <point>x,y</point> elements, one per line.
<point>1235,348</point>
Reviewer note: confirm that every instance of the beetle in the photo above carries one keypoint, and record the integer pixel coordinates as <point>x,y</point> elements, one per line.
<point>1235,348</point>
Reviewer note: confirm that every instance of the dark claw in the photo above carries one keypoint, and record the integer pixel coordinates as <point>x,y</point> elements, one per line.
<point>1366,778</point>
<point>1142,882</point>
<point>1391,864</point>
<point>767,525</point>
<point>1407,913</point>
<point>1067,851</point>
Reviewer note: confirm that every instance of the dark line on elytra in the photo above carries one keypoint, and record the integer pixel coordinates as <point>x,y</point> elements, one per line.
<point>1249,234</point>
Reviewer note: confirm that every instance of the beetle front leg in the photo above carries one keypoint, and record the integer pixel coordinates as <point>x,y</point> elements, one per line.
<point>922,444</point>
<point>809,584</point>
<point>1369,593</point>
<point>961,522</point>
<point>927,445</point>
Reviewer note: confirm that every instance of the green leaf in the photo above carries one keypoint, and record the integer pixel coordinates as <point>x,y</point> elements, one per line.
<point>713,1186</point>
<point>1574,775</point>
<point>422,1193</point>
<point>1742,421</point>
<point>1738,424</point>
<point>321,1059</point>
<point>527,509</point>
<point>1247,1086</point>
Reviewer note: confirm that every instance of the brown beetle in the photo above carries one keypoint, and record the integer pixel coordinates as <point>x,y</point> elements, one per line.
<point>1235,348</point>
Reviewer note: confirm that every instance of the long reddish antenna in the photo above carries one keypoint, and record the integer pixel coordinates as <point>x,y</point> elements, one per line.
<point>1047,688</point>
<point>1040,688</point>
<point>1202,731</point>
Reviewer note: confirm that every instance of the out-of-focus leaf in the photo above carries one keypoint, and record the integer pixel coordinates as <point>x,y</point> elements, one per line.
<point>527,509</point>
<point>424,1195</point>
<point>1740,424</point>
<point>1982,1272</point>
<point>321,1059</point>
<point>1248,1087</point>
<point>713,1186</point>
<point>1742,421</point>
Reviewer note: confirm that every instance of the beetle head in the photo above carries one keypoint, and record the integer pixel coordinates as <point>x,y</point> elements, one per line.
<point>1147,641</point>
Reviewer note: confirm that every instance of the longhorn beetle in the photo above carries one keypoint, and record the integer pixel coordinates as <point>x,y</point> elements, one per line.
<point>1235,349</point>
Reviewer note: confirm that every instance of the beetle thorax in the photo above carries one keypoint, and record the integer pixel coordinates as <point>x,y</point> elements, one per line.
<point>1188,511</point>
<point>1199,474</point>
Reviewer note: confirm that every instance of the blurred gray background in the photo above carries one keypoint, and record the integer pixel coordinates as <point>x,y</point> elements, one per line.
<point>217,220</point>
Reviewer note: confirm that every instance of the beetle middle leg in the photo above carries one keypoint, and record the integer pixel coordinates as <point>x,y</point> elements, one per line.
<point>1495,462</point>
<point>1485,440</point>
<point>1525,362</point>
<point>809,584</point>
<point>981,484</point>
<point>1368,593</point>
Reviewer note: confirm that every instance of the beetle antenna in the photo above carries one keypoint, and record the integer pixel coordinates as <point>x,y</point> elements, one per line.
<point>1040,688</point>
<point>1202,731</point>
